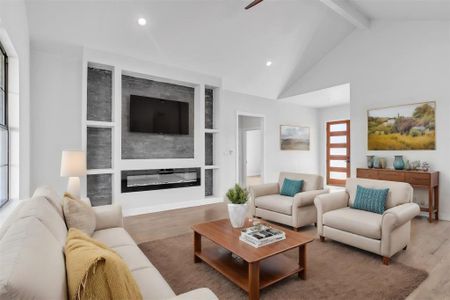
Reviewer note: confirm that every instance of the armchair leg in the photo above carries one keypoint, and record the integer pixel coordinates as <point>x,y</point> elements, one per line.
<point>406,247</point>
<point>315,224</point>
<point>296,229</point>
<point>322,238</point>
<point>386,260</point>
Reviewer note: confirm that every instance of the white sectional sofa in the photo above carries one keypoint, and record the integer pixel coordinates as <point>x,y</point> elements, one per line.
<point>32,264</point>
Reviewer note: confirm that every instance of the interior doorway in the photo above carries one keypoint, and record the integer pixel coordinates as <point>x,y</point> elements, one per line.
<point>338,152</point>
<point>250,149</point>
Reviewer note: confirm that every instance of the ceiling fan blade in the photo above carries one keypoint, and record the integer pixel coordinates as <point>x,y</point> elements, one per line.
<point>253,4</point>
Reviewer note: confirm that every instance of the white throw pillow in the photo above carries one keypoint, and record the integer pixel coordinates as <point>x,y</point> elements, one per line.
<point>79,215</point>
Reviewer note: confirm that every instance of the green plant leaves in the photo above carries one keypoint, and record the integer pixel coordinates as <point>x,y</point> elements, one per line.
<point>237,195</point>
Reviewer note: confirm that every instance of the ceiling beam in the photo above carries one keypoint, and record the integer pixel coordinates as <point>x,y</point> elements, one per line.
<point>348,12</point>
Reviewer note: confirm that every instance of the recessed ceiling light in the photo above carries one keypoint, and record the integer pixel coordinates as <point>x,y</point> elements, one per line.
<point>142,21</point>
<point>268,63</point>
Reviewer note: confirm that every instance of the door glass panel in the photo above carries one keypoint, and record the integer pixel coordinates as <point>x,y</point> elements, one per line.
<point>340,139</point>
<point>3,147</point>
<point>338,175</point>
<point>338,151</point>
<point>338,163</point>
<point>3,184</point>
<point>338,127</point>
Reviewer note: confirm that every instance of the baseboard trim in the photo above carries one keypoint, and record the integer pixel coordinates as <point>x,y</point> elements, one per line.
<point>170,206</point>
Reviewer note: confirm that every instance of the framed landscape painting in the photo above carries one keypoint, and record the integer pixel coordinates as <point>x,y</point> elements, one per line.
<point>405,127</point>
<point>294,137</point>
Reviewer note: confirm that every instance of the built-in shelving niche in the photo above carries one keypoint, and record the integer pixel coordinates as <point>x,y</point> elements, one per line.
<point>99,133</point>
<point>211,140</point>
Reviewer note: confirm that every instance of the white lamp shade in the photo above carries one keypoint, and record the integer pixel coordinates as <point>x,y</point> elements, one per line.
<point>73,163</point>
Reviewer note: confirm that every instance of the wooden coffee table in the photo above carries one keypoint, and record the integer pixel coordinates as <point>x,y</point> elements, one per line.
<point>259,267</point>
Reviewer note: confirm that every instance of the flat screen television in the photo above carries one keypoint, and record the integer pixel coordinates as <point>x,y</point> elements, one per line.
<point>154,115</point>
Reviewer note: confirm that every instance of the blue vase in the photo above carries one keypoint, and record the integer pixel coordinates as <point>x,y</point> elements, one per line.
<point>370,161</point>
<point>399,164</point>
<point>376,163</point>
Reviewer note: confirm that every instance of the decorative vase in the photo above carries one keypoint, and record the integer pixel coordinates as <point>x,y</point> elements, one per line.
<point>376,163</point>
<point>370,161</point>
<point>382,163</point>
<point>399,164</point>
<point>238,214</point>
<point>407,165</point>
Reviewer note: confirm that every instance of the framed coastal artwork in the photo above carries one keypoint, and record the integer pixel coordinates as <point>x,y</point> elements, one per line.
<point>405,127</point>
<point>294,137</point>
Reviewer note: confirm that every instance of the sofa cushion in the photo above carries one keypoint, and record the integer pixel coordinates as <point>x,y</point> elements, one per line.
<point>113,237</point>
<point>399,192</point>
<point>32,262</point>
<point>133,256</point>
<point>311,182</point>
<point>356,221</point>
<point>51,195</point>
<point>152,284</point>
<point>372,200</point>
<point>291,187</point>
<point>40,208</point>
<point>12,218</point>
<point>79,215</point>
<point>278,203</point>
<point>95,271</point>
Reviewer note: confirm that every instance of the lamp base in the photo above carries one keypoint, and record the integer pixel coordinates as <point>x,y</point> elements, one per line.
<point>73,186</point>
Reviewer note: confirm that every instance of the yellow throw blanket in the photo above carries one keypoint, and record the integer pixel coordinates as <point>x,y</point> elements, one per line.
<point>94,271</point>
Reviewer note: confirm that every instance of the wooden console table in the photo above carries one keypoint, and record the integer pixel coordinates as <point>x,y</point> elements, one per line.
<point>418,179</point>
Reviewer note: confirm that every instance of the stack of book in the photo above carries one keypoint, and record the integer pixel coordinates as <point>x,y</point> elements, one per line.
<point>261,235</point>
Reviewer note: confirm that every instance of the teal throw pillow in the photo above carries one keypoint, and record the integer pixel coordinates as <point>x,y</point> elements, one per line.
<point>372,200</point>
<point>291,187</point>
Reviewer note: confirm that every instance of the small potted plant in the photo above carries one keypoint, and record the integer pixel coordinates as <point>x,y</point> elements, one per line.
<point>237,209</point>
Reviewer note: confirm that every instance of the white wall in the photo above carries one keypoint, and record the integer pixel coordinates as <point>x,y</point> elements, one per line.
<point>254,152</point>
<point>276,113</point>
<point>15,39</point>
<point>393,63</point>
<point>55,110</point>
<point>327,114</point>
<point>56,123</point>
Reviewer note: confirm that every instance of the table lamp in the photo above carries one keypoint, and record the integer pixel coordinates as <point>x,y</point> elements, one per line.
<point>73,165</point>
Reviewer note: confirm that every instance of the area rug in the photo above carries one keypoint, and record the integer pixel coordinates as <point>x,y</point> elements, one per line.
<point>335,271</point>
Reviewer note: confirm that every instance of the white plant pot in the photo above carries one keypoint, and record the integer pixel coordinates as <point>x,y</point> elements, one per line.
<point>238,214</point>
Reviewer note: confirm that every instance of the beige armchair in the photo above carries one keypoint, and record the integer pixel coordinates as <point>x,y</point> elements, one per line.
<point>267,203</point>
<point>384,234</point>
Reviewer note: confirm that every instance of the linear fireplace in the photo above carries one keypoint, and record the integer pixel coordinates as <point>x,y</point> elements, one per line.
<point>156,179</point>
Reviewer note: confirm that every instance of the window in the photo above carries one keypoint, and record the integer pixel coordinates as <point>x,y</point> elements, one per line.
<point>4,130</point>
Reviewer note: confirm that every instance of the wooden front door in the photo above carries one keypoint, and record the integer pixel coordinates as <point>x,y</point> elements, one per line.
<point>338,152</point>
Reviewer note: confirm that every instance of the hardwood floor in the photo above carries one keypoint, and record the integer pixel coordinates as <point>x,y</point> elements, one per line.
<point>428,250</point>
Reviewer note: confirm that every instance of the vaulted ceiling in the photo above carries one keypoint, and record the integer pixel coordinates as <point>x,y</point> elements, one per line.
<point>217,37</point>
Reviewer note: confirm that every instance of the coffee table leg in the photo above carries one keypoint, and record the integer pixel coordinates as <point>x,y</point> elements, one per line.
<point>302,262</point>
<point>253,281</point>
<point>197,246</point>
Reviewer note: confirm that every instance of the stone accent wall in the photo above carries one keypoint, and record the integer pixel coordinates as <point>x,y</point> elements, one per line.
<point>99,145</point>
<point>209,179</point>
<point>99,189</point>
<point>99,95</point>
<point>137,145</point>
<point>209,108</point>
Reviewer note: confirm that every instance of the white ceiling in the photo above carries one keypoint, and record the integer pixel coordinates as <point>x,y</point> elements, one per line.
<point>402,10</point>
<point>216,37</point>
<point>332,96</point>
<point>219,37</point>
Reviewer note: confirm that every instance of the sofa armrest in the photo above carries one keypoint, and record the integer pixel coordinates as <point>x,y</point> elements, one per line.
<point>394,218</point>
<point>307,198</point>
<point>328,202</point>
<point>108,216</point>
<point>258,191</point>
<point>264,189</point>
<point>399,215</point>
<point>198,294</point>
